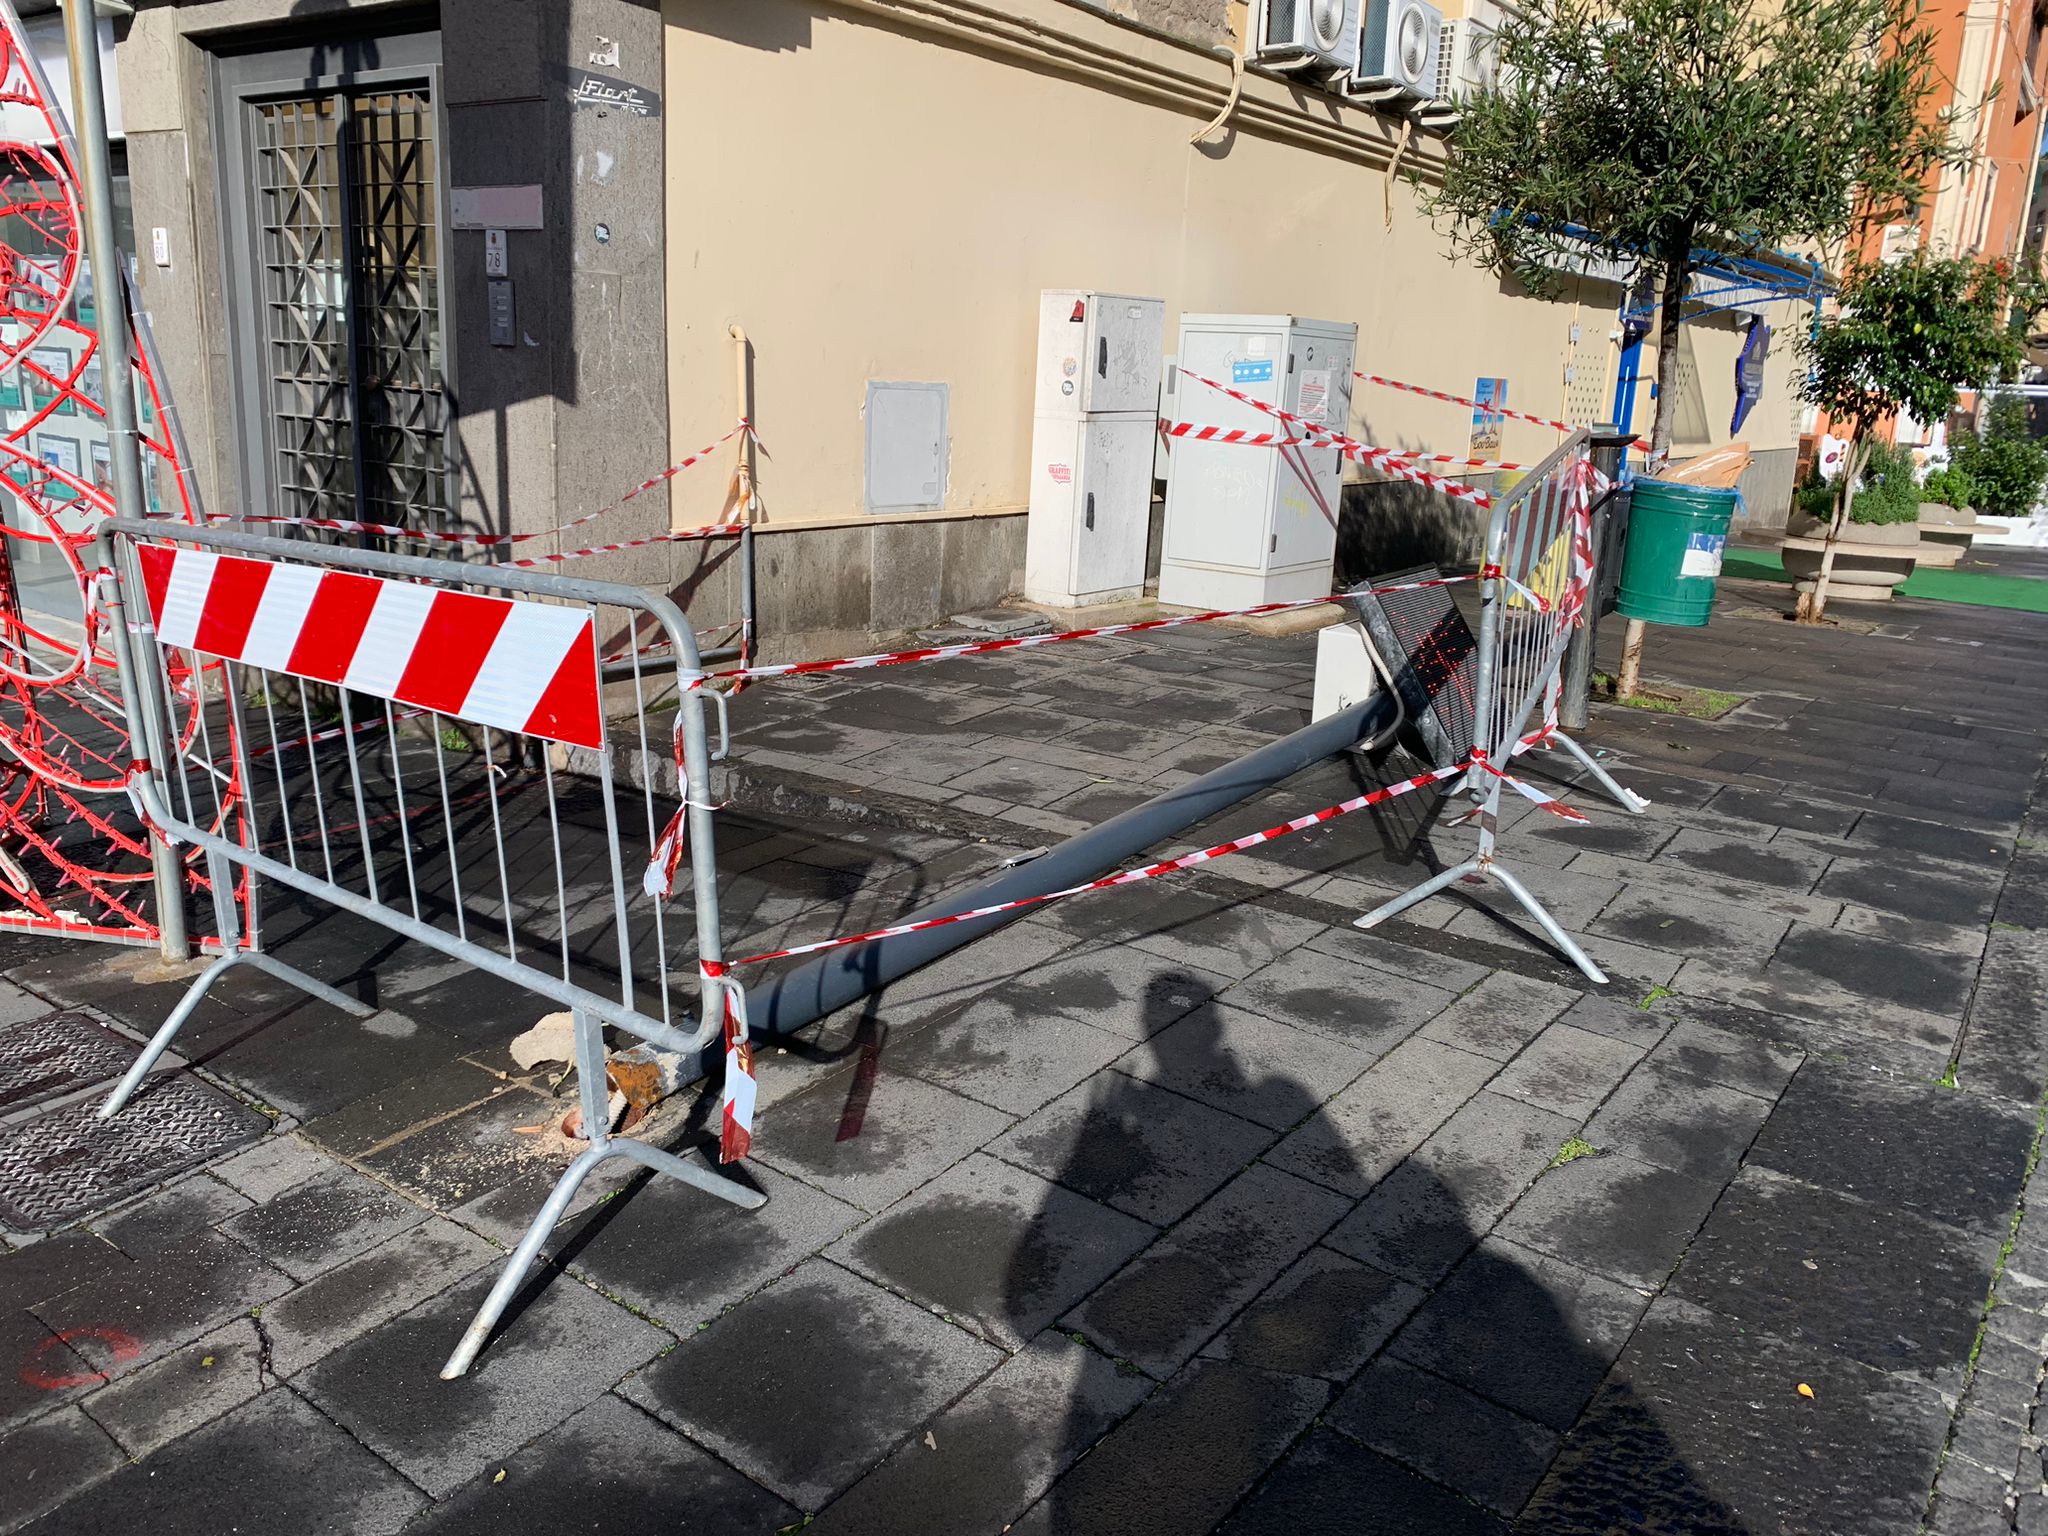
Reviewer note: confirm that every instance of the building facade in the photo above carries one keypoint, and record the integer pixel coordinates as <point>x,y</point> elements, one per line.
<point>482,265</point>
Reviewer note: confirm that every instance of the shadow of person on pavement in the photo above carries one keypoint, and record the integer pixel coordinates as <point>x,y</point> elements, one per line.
<point>1301,1387</point>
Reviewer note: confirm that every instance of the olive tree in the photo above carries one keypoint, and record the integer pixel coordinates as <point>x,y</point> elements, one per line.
<point>1658,132</point>
<point>1907,336</point>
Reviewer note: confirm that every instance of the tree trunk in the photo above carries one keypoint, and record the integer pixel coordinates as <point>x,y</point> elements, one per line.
<point>1670,305</point>
<point>1813,606</point>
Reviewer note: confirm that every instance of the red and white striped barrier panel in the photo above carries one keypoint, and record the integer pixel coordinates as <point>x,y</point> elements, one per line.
<point>518,666</point>
<point>500,540</point>
<point>1489,408</point>
<point>1385,459</point>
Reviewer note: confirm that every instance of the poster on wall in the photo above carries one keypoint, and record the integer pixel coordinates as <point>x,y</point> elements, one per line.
<point>61,453</point>
<point>1488,397</point>
<point>1749,372</point>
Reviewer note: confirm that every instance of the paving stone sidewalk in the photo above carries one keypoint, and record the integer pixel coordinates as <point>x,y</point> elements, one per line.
<point>1175,1208</point>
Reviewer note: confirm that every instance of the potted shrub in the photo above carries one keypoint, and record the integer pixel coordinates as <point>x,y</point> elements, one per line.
<point>1874,548</point>
<point>2006,464</point>
<point>1948,507</point>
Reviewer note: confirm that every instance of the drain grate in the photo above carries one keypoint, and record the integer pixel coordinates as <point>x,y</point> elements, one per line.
<point>64,1163</point>
<point>48,1057</point>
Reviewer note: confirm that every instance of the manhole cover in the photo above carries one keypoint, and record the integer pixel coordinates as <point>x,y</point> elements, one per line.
<point>64,1163</point>
<point>46,1057</point>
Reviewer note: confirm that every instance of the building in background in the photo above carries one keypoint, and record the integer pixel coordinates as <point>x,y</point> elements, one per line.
<point>479,264</point>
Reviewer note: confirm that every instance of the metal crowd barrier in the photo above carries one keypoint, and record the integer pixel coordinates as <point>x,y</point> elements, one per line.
<point>395,735</point>
<point>1536,571</point>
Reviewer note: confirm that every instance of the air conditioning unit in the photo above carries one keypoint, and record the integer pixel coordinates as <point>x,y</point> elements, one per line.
<point>1317,35</point>
<point>1468,59</point>
<point>1399,46</point>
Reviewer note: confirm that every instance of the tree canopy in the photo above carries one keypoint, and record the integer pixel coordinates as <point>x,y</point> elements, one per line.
<point>1649,129</point>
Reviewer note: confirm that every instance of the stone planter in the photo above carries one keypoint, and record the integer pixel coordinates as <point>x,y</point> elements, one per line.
<point>1947,525</point>
<point>1871,562</point>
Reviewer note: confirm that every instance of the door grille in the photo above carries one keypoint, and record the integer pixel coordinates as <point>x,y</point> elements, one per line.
<point>348,250</point>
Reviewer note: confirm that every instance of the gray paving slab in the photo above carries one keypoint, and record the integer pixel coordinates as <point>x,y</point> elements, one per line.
<point>1358,1137</point>
<point>1817,1015</point>
<point>610,1467</point>
<point>317,1224</point>
<point>813,1380</point>
<point>1478,1448</point>
<point>1144,1150</point>
<point>369,1122</point>
<point>1920,932</point>
<point>1114,987</point>
<point>50,1461</point>
<point>1784,811</point>
<point>1232,942</point>
<point>1626,961</point>
<point>274,1165</point>
<point>1788,866</point>
<point>135,1314</point>
<point>994,1451</point>
<point>1421,1219</point>
<point>1182,1460</point>
<point>1529,1332</point>
<point>1339,999</point>
<point>1567,1070</point>
<point>1725,1058</point>
<point>1918,887</point>
<point>1871,967</point>
<point>994,1248</point>
<point>1499,1016</point>
<point>1892,1290</point>
<point>191,1386</point>
<point>1019,781</point>
<point>562,1346</point>
<point>1610,1214</point>
<point>308,1323</point>
<point>2003,1050</point>
<point>1689,1436</point>
<point>1953,1157</point>
<point>1619,1015</point>
<point>47,1371</point>
<point>1383,952</point>
<point>1660,874</point>
<point>682,1256</point>
<point>45,1270</point>
<point>1160,1309</point>
<point>1006,1053</point>
<point>1688,1124</point>
<point>870,1140</point>
<point>170,1217</point>
<point>1325,1316</point>
<point>1249,1065</point>
<point>1330,1483</point>
<point>1667,915</point>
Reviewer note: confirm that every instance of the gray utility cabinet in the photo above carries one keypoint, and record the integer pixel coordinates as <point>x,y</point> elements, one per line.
<point>1095,405</point>
<point>1249,525</point>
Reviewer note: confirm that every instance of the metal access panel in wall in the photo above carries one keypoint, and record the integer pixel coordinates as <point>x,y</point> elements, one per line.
<point>906,447</point>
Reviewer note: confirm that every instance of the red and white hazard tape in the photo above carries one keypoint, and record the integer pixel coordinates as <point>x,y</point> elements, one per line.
<point>1385,459</point>
<point>736,1109</point>
<point>1489,408</point>
<point>1169,866</point>
<point>1250,439</point>
<point>499,540</point>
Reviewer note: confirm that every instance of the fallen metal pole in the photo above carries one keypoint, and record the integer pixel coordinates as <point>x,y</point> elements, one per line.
<point>832,980</point>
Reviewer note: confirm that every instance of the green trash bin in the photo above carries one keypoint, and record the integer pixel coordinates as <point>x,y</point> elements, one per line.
<point>1676,534</point>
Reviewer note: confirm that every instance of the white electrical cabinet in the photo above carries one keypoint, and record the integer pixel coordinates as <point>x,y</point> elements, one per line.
<point>1095,414</point>
<point>1249,525</point>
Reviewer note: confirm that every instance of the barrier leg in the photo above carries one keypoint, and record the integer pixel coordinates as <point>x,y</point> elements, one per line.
<point>196,993</point>
<point>1558,936</point>
<point>593,1090</point>
<point>1627,799</point>
<point>1421,892</point>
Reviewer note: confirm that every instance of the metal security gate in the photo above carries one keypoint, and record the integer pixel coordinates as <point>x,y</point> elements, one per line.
<point>336,237</point>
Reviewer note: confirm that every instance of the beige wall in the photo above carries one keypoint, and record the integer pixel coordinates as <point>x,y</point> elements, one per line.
<point>874,202</point>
